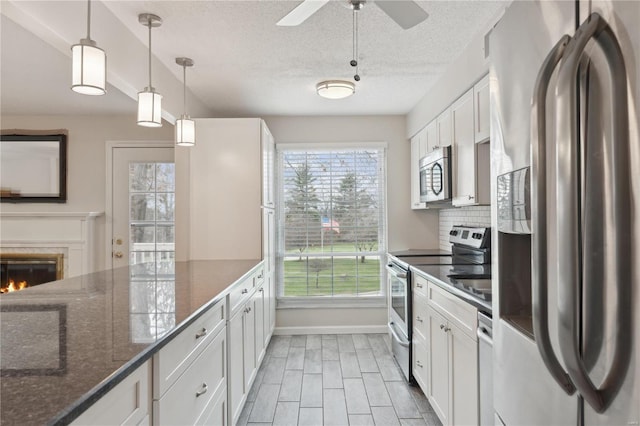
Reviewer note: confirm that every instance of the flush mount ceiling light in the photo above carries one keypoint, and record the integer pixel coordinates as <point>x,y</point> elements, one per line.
<point>89,69</point>
<point>335,89</point>
<point>149,101</point>
<point>185,127</point>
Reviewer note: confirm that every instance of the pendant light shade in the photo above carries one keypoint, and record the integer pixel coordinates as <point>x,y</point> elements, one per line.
<point>149,101</point>
<point>89,64</point>
<point>185,126</point>
<point>185,131</point>
<point>149,108</point>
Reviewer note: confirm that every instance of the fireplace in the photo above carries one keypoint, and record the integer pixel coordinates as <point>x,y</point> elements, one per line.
<point>21,270</point>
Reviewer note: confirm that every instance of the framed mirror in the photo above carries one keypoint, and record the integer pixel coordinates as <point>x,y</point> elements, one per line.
<point>33,168</point>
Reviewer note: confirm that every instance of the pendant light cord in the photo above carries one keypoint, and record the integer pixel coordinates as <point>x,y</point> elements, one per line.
<point>354,61</point>
<point>150,86</point>
<point>88,19</point>
<point>184,88</point>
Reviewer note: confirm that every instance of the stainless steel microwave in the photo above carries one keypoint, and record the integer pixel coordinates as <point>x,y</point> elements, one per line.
<point>435,176</point>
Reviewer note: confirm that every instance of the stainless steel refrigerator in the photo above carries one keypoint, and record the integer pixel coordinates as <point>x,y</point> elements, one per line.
<point>565,161</point>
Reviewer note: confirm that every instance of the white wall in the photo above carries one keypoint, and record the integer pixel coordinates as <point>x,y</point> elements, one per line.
<point>406,228</point>
<point>86,160</point>
<point>462,74</point>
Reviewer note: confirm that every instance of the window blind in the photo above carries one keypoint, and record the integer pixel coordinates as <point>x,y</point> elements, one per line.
<point>331,238</point>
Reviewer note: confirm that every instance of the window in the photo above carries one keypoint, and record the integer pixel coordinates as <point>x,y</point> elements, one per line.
<point>152,250</point>
<point>331,239</point>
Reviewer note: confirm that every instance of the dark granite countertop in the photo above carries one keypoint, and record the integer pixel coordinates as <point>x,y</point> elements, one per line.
<point>66,343</point>
<point>420,252</point>
<point>438,274</point>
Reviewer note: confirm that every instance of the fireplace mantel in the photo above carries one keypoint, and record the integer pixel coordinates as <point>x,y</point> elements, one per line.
<point>69,233</point>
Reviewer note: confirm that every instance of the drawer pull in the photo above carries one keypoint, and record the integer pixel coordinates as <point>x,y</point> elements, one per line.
<point>261,289</point>
<point>261,275</point>
<point>201,333</point>
<point>203,390</point>
<point>418,285</point>
<point>419,364</point>
<point>419,319</point>
<point>245,291</point>
<point>444,328</point>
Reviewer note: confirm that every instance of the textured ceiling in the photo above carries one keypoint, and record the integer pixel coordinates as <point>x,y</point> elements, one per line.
<point>245,65</point>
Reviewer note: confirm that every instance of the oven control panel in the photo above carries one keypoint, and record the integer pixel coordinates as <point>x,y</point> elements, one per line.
<point>476,237</point>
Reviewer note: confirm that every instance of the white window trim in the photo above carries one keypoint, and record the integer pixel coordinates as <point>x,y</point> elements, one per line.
<point>346,302</point>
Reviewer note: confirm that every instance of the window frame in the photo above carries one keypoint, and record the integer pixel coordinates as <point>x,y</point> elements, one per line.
<point>334,301</point>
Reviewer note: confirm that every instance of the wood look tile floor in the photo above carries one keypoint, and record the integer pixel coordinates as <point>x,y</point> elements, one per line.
<point>345,379</point>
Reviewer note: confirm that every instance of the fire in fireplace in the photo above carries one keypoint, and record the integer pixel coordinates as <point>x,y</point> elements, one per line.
<point>21,270</point>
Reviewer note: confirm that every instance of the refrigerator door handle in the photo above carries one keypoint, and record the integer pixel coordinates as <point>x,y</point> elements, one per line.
<point>539,217</point>
<point>569,229</point>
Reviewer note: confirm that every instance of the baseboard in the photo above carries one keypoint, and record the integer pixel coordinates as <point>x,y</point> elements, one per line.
<point>340,329</point>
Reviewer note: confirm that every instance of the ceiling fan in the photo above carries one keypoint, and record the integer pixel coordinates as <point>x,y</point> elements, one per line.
<point>406,13</point>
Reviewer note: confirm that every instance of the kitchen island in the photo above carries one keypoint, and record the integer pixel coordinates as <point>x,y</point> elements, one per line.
<point>67,343</point>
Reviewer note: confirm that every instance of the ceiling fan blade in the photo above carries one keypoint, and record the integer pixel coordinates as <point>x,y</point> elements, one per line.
<point>406,13</point>
<point>300,14</point>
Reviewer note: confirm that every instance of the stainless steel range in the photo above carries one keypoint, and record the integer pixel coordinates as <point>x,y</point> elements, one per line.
<point>466,269</point>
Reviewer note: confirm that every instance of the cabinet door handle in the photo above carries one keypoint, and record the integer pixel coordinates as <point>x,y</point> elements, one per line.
<point>245,291</point>
<point>203,390</point>
<point>418,285</point>
<point>444,328</point>
<point>261,275</point>
<point>419,364</point>
<point>261,289</point>
<point>419,319</point>
<point>201,333</point>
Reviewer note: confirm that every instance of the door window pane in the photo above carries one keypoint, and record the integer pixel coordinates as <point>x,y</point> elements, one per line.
<point>152,250</point>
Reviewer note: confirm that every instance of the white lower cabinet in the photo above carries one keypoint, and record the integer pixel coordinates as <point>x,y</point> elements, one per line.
<point>438,392</point>
<point>236,391</point>
<point>128,403</point>
<point>248,331</point>
<point>445,352</point>
<point>202,376</point>
<point>192,398</point>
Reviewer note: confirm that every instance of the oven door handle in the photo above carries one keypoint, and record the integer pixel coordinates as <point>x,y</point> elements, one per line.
<point>392,271</point>
<point>397,336</point>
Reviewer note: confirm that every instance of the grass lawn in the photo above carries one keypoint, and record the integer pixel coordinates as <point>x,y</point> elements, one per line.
<point>328,248</point>
<point>317,277</point>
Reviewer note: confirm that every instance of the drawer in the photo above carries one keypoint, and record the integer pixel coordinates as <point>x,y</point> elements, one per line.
<point>201,384</point>
<point>127,403</point>
<point>462,314</point>
<point>420,323</point>
<point>420,362</point>
<point>241,292</point>
<point>419,284</point>
<point>173,359</point>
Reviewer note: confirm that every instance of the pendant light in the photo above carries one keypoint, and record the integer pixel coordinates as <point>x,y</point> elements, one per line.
<point>185,126</point>
<point>149,101</point>
<point>89,64</point>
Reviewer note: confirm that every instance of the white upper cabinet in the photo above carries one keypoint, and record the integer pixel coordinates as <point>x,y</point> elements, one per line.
<point>415,173</point>
<point>431,135</point>
<point>464,156</point>
<point>471,166</point>
<point>481,110</point>
<point>444,129</point>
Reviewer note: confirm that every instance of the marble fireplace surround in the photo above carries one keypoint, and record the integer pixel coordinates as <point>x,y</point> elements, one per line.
<point>70,234</point>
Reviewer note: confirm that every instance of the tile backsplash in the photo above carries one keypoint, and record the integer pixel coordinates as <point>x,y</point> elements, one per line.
<point>472,216</point>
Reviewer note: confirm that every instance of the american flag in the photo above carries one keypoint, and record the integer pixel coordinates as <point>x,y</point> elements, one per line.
<point>330,224</point>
